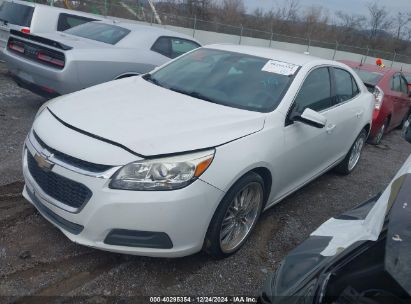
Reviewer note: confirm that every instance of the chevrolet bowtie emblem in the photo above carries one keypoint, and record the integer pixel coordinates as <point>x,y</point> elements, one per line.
<point>43,163</point>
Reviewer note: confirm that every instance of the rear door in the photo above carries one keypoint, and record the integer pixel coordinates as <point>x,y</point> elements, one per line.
<point>347,112</point>
<point>398,107</point>
<point>405,96</point>
<point>13,16</point>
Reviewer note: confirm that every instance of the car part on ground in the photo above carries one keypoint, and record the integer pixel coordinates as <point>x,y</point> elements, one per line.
<point>361,256</point>
<point>193,152</point>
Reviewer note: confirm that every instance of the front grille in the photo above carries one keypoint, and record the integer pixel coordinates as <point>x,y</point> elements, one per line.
<point>70,160</point>
<point>58,187</point>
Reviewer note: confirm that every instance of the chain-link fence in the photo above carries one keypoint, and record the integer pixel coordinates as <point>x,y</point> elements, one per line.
<point>132,10</point>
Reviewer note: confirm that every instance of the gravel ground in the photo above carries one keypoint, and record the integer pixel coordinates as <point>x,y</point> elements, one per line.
<point>37,260</point>
<point>17,110</point>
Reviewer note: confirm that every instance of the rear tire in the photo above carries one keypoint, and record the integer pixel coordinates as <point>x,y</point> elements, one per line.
<point>406,118</point>
<point>235,217</point>
<point>353,156</point>
<point>376,140</point>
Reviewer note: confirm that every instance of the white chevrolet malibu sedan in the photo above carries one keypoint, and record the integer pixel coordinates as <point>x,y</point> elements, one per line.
<point>187,157</point>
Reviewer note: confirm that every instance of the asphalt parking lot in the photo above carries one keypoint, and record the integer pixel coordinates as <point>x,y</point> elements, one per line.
<point>36,259</point>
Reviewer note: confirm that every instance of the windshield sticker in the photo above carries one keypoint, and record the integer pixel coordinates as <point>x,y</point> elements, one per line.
<point>278,67</point>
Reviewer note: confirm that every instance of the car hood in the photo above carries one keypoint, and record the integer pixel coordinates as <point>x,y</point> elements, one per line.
<point>150,120</point>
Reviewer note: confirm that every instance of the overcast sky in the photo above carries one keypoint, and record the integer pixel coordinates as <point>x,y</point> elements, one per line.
<point>350,6</point>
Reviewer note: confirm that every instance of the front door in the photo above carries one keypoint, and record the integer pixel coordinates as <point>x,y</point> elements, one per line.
<point>307,152</point>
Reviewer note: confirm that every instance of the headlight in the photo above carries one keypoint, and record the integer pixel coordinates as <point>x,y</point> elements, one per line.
<point>169,173</point>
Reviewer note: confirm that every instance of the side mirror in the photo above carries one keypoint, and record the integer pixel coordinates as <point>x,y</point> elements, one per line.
<point>311,118</point>
<point>407,131</point>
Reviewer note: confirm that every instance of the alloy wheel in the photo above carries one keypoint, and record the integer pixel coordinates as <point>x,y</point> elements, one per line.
<point>241,217</point>
<point>356,152</point>
<point>380,134</point>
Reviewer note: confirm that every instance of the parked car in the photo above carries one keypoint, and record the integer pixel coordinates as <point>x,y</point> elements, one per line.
<point>361,256</point>
<point>186,158</point>
<point>29,17</point>
<point>59,63</point>
<point>393,104</point>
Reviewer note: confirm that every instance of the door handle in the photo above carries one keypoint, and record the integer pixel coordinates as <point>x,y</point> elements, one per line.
<point>359,114</point>
<point>330,128</point>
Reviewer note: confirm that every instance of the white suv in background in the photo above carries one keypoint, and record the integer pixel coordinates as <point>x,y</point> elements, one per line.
<point>37,18</point>
<point>187,157</point>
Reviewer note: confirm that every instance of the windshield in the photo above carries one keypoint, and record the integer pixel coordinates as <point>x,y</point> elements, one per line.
<point>226,78</point>
<point>372,78</point>
<point>408,77</point>
<point>106,33</point>
<point>17,14</point>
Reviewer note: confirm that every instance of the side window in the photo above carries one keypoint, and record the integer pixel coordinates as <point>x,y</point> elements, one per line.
<point>162,46</point>
<point>181,46</point>
<point>315,92</point>
<point>404,85</point>
<point>396,83</point>
<point>345,86</point>
<point>67,21</point>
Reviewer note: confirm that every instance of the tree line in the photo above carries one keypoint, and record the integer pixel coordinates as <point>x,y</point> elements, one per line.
<point>378,29</point>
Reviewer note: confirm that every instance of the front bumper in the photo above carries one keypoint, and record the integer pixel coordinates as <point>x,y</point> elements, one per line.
<point>183,215</point>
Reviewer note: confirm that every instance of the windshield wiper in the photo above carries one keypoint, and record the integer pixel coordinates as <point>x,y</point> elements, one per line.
<point>150,78</point>
<point>195,95</point>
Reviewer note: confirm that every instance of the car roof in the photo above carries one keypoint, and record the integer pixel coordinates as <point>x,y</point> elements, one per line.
<point>369,67</point>
<point>147,30</point>
<point>265,52</point>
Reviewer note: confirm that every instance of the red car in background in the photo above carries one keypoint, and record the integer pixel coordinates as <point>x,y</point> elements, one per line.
<point>392,94</point>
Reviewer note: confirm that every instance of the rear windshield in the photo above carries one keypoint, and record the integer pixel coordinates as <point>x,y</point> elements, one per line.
<point>372,78</point>
<point>17,14</point>
<point>106,33</point>
<point>408,77</point>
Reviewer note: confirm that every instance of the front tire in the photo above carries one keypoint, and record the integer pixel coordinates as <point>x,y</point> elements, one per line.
<point>235,217</point>
<point>351,159</point>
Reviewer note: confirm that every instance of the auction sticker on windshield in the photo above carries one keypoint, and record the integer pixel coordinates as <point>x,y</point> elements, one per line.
<point>278,67</point>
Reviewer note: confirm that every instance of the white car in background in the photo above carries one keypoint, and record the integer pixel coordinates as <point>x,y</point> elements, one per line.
<point>187,157</point>
<point>54,64</point>
<point>29,17</point>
